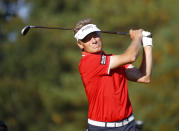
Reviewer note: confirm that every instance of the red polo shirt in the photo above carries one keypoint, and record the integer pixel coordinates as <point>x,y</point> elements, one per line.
<point>107,92</point>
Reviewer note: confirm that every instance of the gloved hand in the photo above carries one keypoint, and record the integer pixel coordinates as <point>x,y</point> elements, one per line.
<point>147,41</point>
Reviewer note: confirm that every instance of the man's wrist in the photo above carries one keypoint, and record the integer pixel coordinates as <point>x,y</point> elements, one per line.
<point>147,50</point>
<point>147,47</point>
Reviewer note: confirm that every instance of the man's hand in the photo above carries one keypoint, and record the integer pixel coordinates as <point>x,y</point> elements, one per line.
<point>136,34</point>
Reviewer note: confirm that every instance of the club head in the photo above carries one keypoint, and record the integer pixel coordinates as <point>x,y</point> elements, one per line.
<point>25,30</point>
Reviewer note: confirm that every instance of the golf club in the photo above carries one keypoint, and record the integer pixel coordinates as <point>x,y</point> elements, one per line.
<point>26,29</point>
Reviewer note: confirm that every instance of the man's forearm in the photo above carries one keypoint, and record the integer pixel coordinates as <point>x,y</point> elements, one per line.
<point>146,65</point>
<point>130,55</point>
<point>133,49</point>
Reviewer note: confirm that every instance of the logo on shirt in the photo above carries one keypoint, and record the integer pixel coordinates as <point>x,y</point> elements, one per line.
<point>103,59</point>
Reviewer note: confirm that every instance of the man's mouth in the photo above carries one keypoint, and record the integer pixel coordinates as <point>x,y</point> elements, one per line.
<point>96,46</point>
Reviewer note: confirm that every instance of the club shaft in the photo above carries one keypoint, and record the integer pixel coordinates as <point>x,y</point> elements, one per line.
<point>60,28</point>
<point>114,32</point>
<point>46,27</point>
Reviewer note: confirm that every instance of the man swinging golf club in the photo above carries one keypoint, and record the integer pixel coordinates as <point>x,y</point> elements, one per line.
<point>105,77</point>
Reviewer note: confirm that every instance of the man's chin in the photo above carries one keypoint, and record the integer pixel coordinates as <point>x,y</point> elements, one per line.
<point>97,51</point>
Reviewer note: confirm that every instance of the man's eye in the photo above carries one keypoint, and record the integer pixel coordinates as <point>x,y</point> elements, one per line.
<point>96,35</point>
<point>86,39</point>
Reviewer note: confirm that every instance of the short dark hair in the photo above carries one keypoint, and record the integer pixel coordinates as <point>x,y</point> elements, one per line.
<point>80,24</point>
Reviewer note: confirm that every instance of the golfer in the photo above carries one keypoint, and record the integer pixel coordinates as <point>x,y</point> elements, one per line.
<point>105,77</point>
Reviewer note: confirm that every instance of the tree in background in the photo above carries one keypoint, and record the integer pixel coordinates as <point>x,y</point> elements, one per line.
<point>40,87</point>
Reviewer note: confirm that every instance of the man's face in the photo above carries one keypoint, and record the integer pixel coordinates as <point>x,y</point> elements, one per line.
<point>92,43</point>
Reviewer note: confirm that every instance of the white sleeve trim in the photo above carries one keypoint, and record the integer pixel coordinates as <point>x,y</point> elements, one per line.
<point>109,68</point>
<point>130,66</point>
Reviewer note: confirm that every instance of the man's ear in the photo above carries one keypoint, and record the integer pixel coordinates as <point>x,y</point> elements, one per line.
<point>80,44</point>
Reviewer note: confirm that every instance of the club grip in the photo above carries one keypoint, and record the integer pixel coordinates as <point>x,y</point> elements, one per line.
<point>114,32</point>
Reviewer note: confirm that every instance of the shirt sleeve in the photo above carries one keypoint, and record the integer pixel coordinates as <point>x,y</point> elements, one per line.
<point>96,65</point>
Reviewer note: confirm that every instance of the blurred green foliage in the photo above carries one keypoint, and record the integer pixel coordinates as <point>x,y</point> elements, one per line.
<point>40,87</point>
